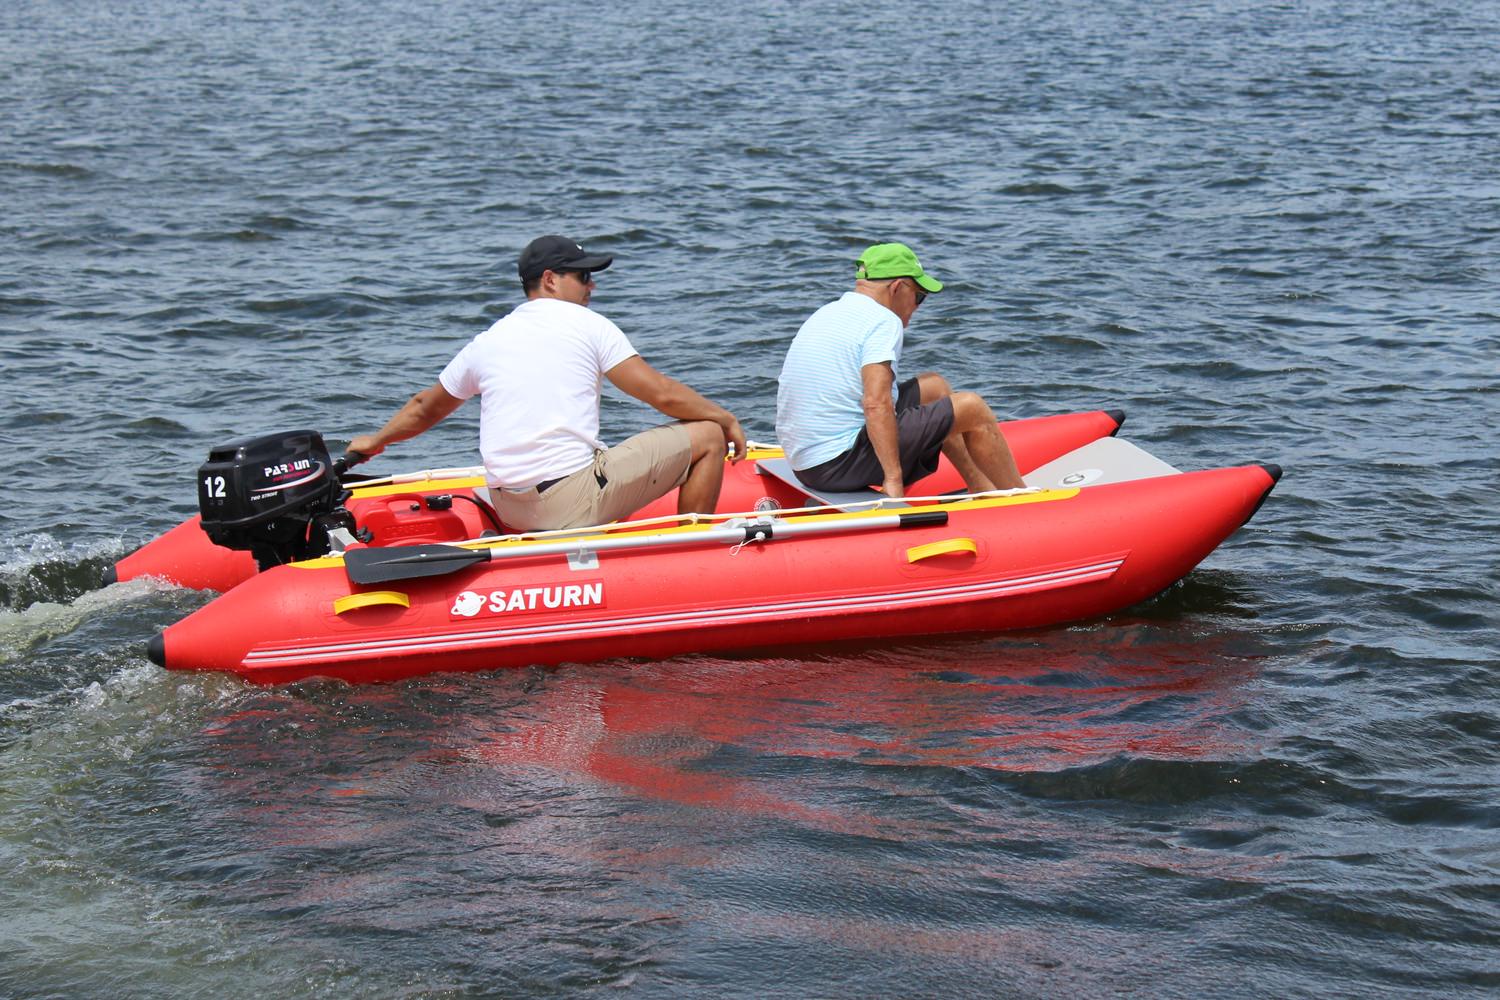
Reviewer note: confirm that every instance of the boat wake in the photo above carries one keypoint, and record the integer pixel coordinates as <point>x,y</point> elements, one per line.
<point>40,569</point>
<point>22,631</point>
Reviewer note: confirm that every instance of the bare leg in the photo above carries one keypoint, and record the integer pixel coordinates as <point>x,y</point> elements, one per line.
<point>975,446</point>
<point>699,493</point>
<point>933,387</point>
<point>957,450</point>
<point>991,466</point>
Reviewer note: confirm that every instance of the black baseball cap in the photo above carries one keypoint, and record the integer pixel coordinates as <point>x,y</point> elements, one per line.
<point>558,253</point>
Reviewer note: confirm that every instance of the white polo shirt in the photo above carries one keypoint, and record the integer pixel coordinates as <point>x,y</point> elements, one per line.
<point>538,373</point>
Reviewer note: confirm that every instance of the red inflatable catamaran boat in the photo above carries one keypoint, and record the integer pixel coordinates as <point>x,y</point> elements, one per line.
<point>391,577</point>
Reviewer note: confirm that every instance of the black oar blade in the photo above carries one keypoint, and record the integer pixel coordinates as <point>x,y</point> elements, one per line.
<point>408,562</point>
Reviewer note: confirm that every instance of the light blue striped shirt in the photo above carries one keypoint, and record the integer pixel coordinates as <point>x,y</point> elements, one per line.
<point>819,404</point>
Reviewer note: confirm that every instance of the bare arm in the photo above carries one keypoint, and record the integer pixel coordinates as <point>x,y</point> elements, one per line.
<point>636,378</point>
<point>420,412</point>
<point>880,424</point>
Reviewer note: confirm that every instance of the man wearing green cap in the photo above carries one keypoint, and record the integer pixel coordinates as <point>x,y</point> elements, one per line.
<point>841,416</point>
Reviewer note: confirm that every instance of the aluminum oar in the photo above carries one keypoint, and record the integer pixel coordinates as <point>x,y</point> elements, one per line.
<point>384,565</point>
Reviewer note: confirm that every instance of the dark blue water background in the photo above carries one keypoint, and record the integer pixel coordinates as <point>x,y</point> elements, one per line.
<point>1267,231</point>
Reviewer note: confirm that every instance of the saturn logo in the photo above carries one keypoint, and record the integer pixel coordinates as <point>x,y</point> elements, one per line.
<point>468,604</point>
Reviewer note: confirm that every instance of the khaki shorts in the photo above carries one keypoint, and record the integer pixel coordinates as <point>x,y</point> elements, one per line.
<point>617,483</point>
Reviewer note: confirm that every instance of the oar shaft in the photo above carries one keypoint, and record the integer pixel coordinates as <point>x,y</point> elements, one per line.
<point>370,566</point>
<point>766,530</point>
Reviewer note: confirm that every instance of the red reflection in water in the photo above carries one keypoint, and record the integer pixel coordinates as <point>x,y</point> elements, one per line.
<point>567,769</point>
<point>1045,703</point>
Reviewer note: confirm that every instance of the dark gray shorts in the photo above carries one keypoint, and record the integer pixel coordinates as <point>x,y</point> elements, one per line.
<point>920,431</point>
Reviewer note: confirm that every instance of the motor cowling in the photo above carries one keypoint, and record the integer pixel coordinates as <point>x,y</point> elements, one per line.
<point>274,496</point>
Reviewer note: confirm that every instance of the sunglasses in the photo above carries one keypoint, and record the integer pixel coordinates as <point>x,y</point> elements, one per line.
<point>583,276</point>
<point>921,292</point>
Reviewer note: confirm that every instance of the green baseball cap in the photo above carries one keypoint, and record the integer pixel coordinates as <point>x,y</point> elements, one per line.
<point>894,260</point>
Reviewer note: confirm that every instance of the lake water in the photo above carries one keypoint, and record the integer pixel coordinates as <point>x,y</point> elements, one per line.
<point>1269,232</point>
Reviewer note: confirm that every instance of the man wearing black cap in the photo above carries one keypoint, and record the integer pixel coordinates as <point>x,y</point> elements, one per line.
<point>538,373</point>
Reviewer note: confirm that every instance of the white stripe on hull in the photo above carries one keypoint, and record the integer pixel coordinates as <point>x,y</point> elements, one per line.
<point>699,618</point>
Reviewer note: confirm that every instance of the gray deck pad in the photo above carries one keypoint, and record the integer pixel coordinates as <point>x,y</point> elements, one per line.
<point>1098,463</point>
<point>780,468</point>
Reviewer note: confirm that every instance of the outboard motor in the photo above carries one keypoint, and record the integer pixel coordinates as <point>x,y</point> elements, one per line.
<point>277,496</point>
